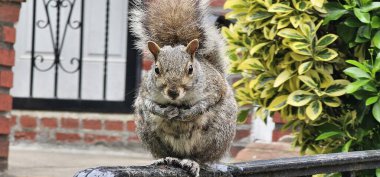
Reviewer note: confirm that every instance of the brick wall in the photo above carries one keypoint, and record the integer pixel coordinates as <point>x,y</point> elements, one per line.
<point>278,132</point>
<point>73,128</point>
<point>9,13</point>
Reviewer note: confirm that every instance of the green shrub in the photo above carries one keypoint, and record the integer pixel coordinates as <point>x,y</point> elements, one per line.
<point>316,62</point>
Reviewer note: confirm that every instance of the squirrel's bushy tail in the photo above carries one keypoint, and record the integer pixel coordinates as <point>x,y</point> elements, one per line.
<point>177,22</point>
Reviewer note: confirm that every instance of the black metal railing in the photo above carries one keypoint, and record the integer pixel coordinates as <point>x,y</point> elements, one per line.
<point>350,164</point>
<point>58,28</point>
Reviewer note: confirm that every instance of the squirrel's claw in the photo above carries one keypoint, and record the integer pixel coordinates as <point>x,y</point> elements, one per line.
<point>190,166</point>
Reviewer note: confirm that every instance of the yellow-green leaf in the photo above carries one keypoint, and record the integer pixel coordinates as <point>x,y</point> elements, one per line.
<point>257,47</point>
<point>238,83</point>
<point>300,48</point>
<point>264,79</point>
<point>236,14</point>
<point>234,4</point>
<point>327,135</point>
<point>319,93</point>
<point>298,57</point>
<point>283,23</point>
<point>305,67</point>
<point>229,33</point>
<point>306,29</point>
<point>270,33</point>
<point>278,103</point>
<point>314,75</point>
<point>314,109</point>
<point>299,98</point>
<point>251,64</point>
<point>317,3</point>
<point>326,79</point>
<point>326,40</point>
<point>295,20</point>
<point>280,8</point>
<point>326,55</point>
<point>290,33</point>
<point>332,101</point>
<point>282,77</point>
<point>257,16</point>
<point>337,88</point>
<point>268,92</point>
<point>308,81</point>
<point>302,5</point>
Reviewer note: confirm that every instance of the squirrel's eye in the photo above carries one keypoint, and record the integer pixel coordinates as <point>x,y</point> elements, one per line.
<point>190,69</point>
<point>156,70</point>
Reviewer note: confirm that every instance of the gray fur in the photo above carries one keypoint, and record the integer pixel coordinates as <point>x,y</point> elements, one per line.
<point>177,22</point>
<point>198,125</point>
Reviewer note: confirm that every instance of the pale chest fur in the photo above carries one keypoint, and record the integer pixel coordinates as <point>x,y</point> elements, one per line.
<point>183,137</point>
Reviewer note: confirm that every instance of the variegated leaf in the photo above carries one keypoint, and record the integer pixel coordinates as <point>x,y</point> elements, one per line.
<point>299,98</point>
<point>314,109</point>
<point>278,103</point>
<point>332,101</point>
<point>305,67</point>
<point>337,88</point>
<point>308,81</point>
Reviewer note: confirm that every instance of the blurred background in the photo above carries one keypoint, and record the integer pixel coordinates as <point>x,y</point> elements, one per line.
<point>72,71</point>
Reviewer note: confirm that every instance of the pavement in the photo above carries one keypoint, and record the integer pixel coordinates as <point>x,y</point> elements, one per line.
<point>36,160</point>
<point>266,151</point>
<point>63,161</point>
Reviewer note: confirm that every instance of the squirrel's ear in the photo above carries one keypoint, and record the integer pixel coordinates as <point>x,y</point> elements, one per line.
<point>153,48</point>
<point>192,47</point>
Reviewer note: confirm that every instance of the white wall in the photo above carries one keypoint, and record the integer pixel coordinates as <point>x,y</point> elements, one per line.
<point>94,30</point>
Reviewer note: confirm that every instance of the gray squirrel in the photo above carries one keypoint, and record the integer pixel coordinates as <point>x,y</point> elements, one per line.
<point>185,109</point>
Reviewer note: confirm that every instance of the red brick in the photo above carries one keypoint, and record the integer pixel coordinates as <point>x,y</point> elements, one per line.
<point>9,34</point>
<point>13,121</point>
<point>131,126</point>
<point>133,139</point>
<point>4,125</point>
<point>147,64</point>
<point>25,135</point>
<point>9,12</point>
<point>277,134</point>
<point>67,137</point>
<point>92,124</point>
<point>6,79</point>
<point>5,102</point>
<point>91,138</point>
<point>114,125</point>
<point>4,148</point>
<point>69,123</point>
<point>240,134</point>
<point>28,122</point>
<point>7,57</point>
<point>277,118</point>
<point>217,3</point>
<point>49,122</point>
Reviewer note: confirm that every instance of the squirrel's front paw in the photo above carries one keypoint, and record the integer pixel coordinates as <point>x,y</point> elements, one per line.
<point>184,114</point>
<point>171,112</point>
<point>190,166</point>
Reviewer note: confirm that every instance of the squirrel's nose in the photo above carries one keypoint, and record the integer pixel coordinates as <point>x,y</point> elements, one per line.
<point>173,93</point>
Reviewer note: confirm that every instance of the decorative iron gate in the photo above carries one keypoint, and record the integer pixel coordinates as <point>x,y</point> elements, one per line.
<point>58,20</point>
